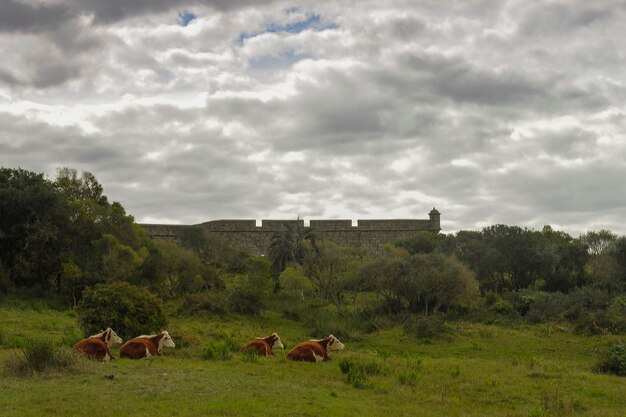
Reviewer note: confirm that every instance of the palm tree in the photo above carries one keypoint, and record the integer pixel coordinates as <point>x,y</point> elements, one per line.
<point>288,246</point>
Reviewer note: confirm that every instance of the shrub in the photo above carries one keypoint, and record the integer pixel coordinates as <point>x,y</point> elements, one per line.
<point>206,301</point>
<point>502,307</point>
<point>612,359</point>
<point>246,300</point>
<point>324,322</point>
<point>40,355</point>
<point>128,309</point>
<point>428,327</point>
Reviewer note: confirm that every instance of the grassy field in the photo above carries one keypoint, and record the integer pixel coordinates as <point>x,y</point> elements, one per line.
<point>476,370</point>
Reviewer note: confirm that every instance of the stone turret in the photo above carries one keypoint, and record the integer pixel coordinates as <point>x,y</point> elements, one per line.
<point>435,217</point>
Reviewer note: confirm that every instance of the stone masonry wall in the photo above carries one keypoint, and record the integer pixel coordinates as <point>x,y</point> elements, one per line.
<point>247,236</point>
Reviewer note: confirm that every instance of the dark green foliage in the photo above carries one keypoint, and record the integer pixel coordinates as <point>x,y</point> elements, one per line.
<point>424,283</point>
<point>503,307</point>
<point>218,258</point>
<point>206,301</point>
<point>128,309</point>
<point>32,219</point>
<point>289,246</point>
<point>509,257</point>
<point>426,327</point>
<point>64,235</point>
<point>250,293</point>
<point>612,359</point>
<point>423,242</point>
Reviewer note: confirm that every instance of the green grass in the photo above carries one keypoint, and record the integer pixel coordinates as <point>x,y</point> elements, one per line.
<point>476,370</point>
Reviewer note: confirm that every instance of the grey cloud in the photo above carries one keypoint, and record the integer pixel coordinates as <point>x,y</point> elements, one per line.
<point>562,18</point>
<point>18,16</point>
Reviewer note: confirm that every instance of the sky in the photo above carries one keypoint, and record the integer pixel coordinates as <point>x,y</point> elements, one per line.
<point>494,112</point>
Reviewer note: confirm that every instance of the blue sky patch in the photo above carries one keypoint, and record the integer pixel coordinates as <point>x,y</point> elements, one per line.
<point>185,17</point>
<point>312,21</point>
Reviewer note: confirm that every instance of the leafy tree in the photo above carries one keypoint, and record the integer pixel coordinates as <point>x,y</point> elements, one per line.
<point>423,242</point>
<point>31,223</point>
<point>118,262</point>
<point>430,282</point>
<point>250,292</point>
<point>179,270</point>
<point>567,258</point>
<point>332,269</point>
<point>289,246</point>
<point>597,242</point>
<point>218,258</point>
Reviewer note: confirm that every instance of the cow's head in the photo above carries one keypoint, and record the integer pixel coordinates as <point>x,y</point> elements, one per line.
<point>166,340</point>
<point>334,343</point>
<point>274,341</point>
<point>111,338</point>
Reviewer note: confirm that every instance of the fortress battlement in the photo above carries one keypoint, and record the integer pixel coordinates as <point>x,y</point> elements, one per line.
<point>247,236</point>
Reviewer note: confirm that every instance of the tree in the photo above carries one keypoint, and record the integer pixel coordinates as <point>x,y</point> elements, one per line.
<point>217,257</point>
<point>427,283</point>
<point>32,218</point>
<point>423,242</point>
<point>179,270</point>
<point>598,242</point>
<point>289,246</point>
<point>332,269</point>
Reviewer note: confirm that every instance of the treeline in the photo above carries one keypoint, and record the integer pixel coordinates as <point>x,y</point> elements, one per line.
<point>63,236</point>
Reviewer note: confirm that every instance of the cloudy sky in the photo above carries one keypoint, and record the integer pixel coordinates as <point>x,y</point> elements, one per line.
<point>186,111</point>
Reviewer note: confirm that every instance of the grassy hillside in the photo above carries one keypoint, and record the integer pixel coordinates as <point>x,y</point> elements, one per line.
<point>476,370</point>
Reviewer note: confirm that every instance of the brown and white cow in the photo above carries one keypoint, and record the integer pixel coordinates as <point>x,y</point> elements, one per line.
<point>263,346</point>
<point>97,346</point>
<point>315,350</point>
<point>146,346</point>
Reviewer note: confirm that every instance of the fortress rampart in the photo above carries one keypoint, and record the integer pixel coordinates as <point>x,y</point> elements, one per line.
<point>369,234</point>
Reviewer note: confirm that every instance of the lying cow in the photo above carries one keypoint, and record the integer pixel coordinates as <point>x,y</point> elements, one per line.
<point>97,346</point>
<point>315,350</point>
<point>146,346</point>
<point>263,346</point>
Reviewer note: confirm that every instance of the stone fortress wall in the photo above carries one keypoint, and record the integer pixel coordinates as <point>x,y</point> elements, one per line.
<point>247,236</point>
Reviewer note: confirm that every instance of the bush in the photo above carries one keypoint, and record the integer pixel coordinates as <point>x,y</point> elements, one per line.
<point>503,307</point>
<point>324,322</point>
<point>206,301</point>
<point>128,309</point>
<point>612,359</point>
<point>246,300</point>
<point>428,327</point>
<point>40,355</point>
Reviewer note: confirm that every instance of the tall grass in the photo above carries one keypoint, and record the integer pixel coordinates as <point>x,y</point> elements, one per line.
<point>40,355</point>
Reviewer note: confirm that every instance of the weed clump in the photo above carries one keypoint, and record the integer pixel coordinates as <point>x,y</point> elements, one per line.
<point>38,356</point>
<point>410,375</point>
<point>220,349</point>
<point>356,371</point>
